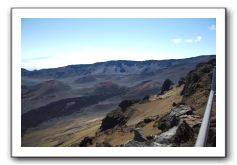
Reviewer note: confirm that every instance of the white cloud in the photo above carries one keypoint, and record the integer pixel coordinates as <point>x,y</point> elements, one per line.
<point>177,40</point>
<point>212,27</point>
<point>188,41</point>
<point>198,39</point>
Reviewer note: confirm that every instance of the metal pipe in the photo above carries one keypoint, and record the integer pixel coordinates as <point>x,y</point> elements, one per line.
<point>203,132</point>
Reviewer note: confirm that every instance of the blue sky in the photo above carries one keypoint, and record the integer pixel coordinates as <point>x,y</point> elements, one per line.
<point>55,42</point>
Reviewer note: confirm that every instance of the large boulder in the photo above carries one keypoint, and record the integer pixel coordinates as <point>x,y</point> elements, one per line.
<point>139,136</point>
<point>127,103</point>
<point>184,133</point>
<point>86,142</point>
<point>172,118</point>
<point>181,110</point>
<point>166,86</point>
<point>192,120</point>
<point>149,119</point>
<point>114,118</point>
<point>166,122</point>
<point>179,135</point>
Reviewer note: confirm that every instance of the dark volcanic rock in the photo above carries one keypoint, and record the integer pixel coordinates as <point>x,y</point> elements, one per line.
<point>199,78</point>
<point>139,136</point>
<point>166,122</point>
<point>166,86</point>
<point>181,81</point>
<point>183,134</point>
<point>181,110</point>
<point>148,119</point>
<point>178,129</point>
<point>113,119</point>
<point>86,142</point>
<point>174,104</point>
<point>173,117</point>
<point>126,103</point>
<point>150,137</point>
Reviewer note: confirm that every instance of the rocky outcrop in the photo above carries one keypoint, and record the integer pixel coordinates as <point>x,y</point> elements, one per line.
<point>192,120</point>
<point>167,122</point>
<point>166,86</point>
<point>139,136</point>
<point>150,119</point>
<point>146,120</point>
<point>181,81</point>
<point>195,93</point>
<point>180,135</point>
<point>86,142</point>
<point>173,117</point>
<point>114,118</point>
<point>186,123</point>
<point>178,129</point>
<point>183,134</point>
<point>180,110</point>
<point>127,103</point>
<point>199,78</point>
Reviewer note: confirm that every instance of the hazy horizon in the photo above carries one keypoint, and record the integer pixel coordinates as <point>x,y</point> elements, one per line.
<point>52,43</point>
<point>121,60</point>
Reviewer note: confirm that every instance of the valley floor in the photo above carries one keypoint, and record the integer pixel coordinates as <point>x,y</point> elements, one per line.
<point>70,130</point>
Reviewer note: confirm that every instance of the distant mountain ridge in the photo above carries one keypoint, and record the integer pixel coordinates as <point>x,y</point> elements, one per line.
<point>135,79</point>
<point>119,67</point>
<point>94,90</point>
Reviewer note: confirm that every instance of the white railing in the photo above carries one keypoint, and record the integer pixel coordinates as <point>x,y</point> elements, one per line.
<point>204,129</point>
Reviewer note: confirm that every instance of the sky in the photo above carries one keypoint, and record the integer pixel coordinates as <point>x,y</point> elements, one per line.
<point>56,42</point>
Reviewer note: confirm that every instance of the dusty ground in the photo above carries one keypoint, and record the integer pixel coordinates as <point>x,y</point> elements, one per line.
<point>122,135</point>
<point>71,131</point>
<point>157,106</point>
<point>63,133</point>
<point>160,105</point>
